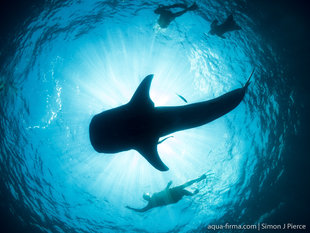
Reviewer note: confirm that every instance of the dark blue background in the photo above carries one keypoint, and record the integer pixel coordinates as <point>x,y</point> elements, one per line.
<point>286,24</point>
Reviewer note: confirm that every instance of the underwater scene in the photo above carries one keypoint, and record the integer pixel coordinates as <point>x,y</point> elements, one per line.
<point>154,116</point>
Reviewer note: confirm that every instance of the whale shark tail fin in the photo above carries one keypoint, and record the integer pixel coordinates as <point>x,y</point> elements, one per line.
<point>249,80</point>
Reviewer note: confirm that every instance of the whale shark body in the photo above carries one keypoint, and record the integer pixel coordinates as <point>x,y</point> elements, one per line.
<point>138,124</point>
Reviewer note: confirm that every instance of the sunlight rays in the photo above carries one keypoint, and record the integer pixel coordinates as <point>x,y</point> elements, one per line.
<point>103,74</point>
<point>109,73</point>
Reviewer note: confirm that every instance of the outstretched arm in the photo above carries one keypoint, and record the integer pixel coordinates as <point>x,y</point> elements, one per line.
<point>161,9</point>
<point>175,6</point>
<point>191,8</point>
<point>139,210</point>
<point>188,193</point>
<point>169,184</point>
<point>193,181</point>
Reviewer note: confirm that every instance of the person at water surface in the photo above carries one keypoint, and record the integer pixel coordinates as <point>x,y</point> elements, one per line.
<point>168,195</point>
<point>167,16</point>
<point>227,26</point>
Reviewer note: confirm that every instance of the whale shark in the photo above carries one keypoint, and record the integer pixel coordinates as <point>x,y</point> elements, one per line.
<point>138,125</point>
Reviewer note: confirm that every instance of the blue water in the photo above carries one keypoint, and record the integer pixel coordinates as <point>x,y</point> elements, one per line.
<point>78,58</point>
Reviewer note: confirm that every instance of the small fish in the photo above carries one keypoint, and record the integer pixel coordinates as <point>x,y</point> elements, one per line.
<point>182,98</point>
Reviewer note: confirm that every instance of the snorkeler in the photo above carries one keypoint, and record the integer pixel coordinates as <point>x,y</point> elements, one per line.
<point>228,25</point>
<point>168,195</point>
<point>167,16</point>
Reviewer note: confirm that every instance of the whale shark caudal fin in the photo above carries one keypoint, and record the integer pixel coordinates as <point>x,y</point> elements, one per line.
<point>149,151</point>
<point>249,79</point>
<point>141,98</point>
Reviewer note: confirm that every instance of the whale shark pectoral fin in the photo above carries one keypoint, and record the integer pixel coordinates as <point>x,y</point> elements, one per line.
<point>249,80</point>
<point>150,153</point>
<point>141,97</point>
<point>164,140</point>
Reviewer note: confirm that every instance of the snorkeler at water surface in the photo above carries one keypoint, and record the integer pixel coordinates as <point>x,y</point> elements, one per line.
<point>168,195</point>
<point>167,16</point>
<point>227,26</point>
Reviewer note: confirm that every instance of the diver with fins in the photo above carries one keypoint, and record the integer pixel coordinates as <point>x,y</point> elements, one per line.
<point>167,16</point>
<point>168,195</point>
<point>220,29</point>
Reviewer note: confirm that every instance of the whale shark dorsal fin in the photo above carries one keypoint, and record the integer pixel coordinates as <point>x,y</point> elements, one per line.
<point>149,151</point>
<point>141,97</point>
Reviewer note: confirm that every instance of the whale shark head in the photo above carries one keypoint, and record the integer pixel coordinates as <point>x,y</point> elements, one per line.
<point>105,131</point>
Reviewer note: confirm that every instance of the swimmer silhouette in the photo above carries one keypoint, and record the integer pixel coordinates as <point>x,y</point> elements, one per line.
<point>168,195</point>
<point>167,16</point>
<point>138,124</point>
<point>227,26</point>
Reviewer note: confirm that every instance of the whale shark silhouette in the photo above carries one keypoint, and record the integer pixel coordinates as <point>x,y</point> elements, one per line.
<point>138,124</point>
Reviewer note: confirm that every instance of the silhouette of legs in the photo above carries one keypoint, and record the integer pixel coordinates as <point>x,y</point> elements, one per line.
<point>177,5</point>
<point>177,14</point>
<point>191,8</point>
<point>189,183</point>
<point>188,193</point>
